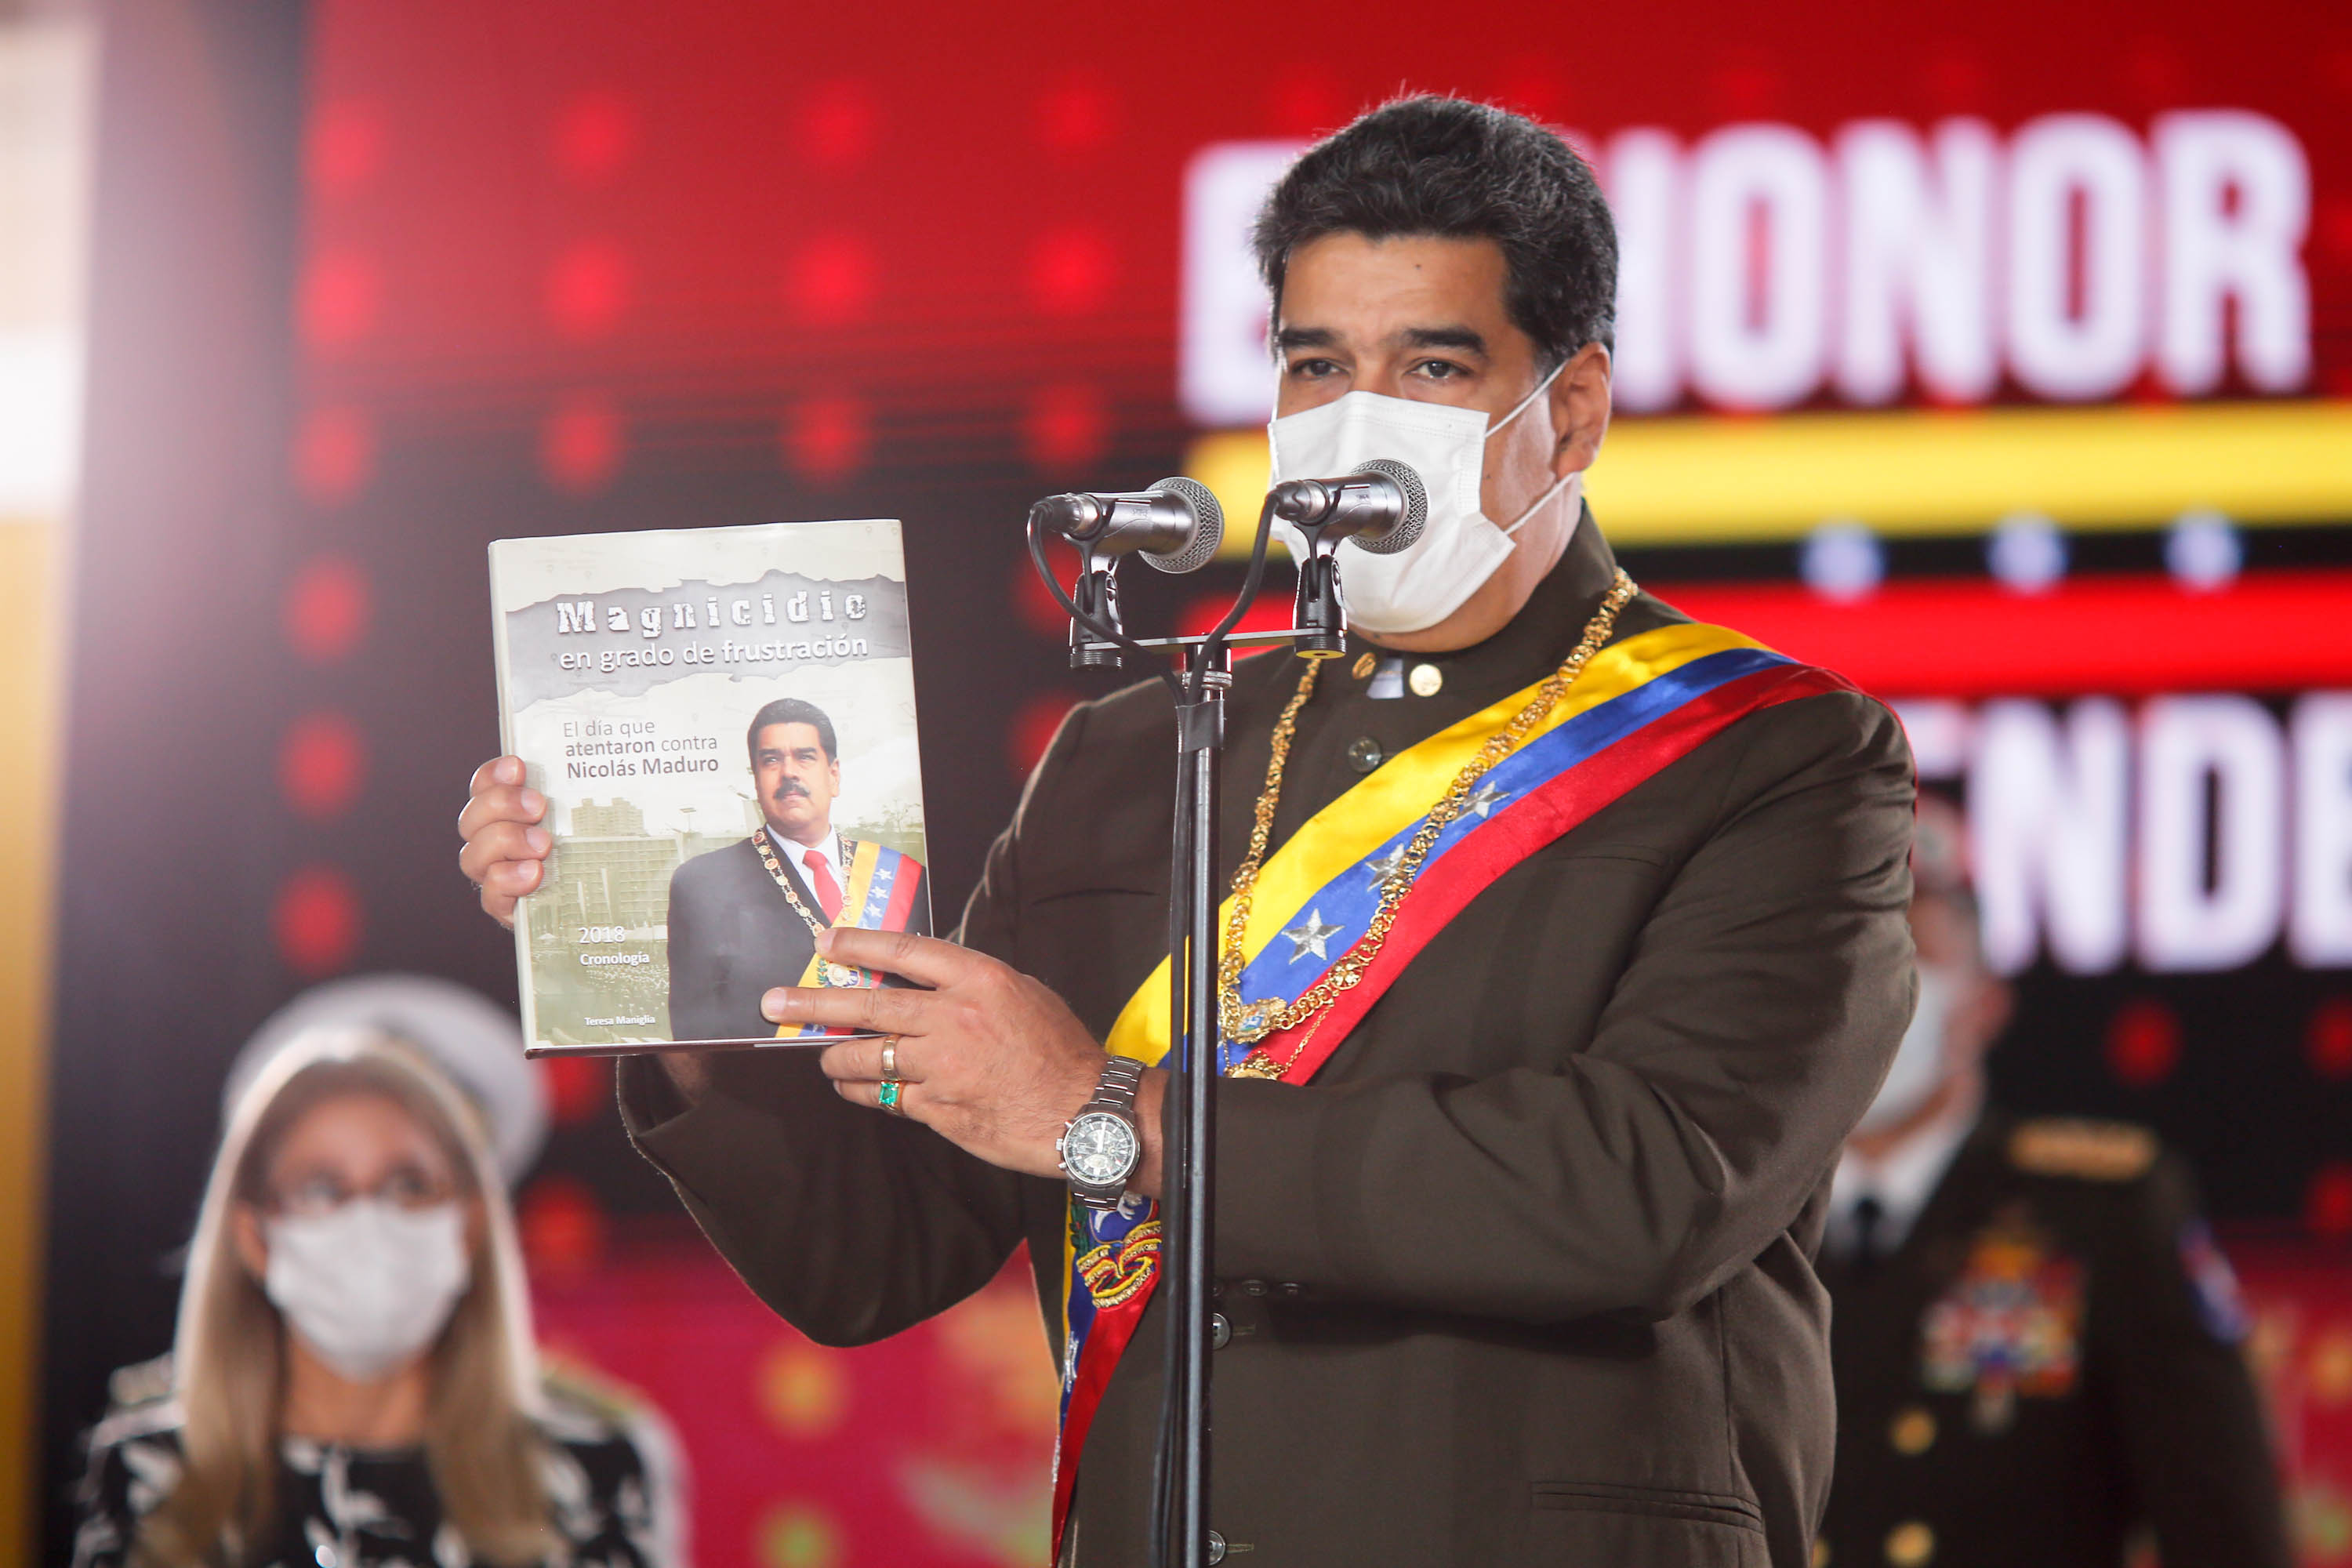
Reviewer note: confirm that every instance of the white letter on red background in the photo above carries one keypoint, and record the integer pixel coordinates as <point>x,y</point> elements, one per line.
<point>2047,821</point>
<point>1757,341</point>
<point>1919,256</point>
<point>2212,253</point>
<point>2232,742</point>
<point>2319,930</point>
<point>2057,349</point>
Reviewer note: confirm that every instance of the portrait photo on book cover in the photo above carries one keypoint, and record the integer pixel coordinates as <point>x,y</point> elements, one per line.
<point>744,918</point>
<point>722,720</point>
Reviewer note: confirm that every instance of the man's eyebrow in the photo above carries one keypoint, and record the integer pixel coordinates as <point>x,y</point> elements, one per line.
<point>1291,338</point>
<point>1457,337</point>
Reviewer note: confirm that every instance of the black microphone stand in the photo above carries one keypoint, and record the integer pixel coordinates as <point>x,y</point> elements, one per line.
<point>1182,1536</point>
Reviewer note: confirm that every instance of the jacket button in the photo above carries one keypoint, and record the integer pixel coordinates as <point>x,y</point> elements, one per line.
<point>1216,1547</point>
<point>1290,1288</point>
<point>1820,1554</point>
<point>1910,1545</point>
<point>1253,1287</point>
<point>1221,1332</point>
<point>1364,753</point>
<point>1426,679</point>
<point>1913,1430</point>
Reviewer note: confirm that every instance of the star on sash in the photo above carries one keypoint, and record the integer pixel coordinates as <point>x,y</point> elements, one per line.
<point>1388,867</point>
<point>1487,798</point>
<point>1309,936</point>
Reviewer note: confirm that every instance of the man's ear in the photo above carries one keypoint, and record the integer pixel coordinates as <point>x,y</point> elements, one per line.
<point>1578,402</point>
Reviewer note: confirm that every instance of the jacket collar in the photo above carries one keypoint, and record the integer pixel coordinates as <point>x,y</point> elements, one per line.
<point>1535,640</point>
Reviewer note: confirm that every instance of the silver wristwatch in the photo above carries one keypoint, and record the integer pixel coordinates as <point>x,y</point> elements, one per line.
<point>1102,1146</point>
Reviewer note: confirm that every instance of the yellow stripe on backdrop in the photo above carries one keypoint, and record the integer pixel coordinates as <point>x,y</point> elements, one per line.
<point>47,74</point>
<point>1711,479</point>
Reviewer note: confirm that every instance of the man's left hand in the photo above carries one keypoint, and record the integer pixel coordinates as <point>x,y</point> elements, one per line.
<point>990,1059</point>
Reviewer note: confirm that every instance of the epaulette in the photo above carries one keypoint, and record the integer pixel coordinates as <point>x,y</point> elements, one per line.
<point>2088,1151</point>
<point>141,1383</point>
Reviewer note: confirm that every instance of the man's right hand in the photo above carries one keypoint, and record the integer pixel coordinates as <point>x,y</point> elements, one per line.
<point>505,846</point>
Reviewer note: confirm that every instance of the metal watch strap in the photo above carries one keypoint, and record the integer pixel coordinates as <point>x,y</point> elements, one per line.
<point>1121,1080</point>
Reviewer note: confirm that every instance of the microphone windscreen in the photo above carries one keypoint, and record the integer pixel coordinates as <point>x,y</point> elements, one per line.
<point>1416,508</point>
<point>1208,526</point>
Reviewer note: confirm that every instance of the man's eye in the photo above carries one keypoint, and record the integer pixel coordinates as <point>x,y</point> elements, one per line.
<point>1439,369</point>
<point>1313,369</point>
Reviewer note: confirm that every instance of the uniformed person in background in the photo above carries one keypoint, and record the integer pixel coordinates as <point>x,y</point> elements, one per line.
<point>2037,1344</point>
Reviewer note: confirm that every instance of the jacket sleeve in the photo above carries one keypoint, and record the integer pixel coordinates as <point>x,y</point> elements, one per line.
<point>1747,1033</point>
<point>2165,1338</point>
<point>693,972</point>
<point>851,1225</point>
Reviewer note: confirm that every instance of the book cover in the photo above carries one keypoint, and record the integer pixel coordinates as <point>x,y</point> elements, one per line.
<point>722,720</point>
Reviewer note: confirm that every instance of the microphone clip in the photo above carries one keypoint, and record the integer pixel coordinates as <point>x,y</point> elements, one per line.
<point>1381,507</point>
<point>1096,594</point>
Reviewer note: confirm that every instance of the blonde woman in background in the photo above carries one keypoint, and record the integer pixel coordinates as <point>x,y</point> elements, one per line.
<point>354,1383</point>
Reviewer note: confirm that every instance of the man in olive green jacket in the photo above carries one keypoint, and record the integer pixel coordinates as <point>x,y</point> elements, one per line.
<point>1523,1274</point>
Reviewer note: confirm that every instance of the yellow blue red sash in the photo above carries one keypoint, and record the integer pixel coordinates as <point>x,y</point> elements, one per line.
<point>883,887</point>
<point>1638,706</point>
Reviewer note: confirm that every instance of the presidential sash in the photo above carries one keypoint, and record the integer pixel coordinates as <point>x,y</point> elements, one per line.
<point>1638,706</point>
<point>883,887</point>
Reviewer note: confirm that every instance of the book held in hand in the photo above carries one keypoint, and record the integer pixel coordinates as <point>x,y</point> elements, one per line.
<point>722,720</point>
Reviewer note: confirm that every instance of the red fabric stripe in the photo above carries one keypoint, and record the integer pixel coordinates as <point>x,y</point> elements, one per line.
<point>1569,798</point>
<point>901,907</point>
<point>1106,1343</point>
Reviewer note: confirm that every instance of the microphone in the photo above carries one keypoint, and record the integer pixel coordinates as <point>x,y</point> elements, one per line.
<point>1382,507</point>
<point>1175,526</point>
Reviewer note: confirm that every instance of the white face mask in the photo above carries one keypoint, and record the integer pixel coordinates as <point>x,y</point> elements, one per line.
<point>1919,1061</point>
<point>1459,547</point>
<point>368,1284</point>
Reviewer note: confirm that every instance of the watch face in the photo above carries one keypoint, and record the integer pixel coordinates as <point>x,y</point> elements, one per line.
<point>1100,1150</point>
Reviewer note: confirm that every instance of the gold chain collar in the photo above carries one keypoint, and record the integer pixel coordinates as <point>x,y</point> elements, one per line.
<point>833,974</point>
<point>1250,1022</point>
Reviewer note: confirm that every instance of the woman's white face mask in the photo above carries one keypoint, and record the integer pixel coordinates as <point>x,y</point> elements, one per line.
<point>368,1284</point>
<point>1459,548</point>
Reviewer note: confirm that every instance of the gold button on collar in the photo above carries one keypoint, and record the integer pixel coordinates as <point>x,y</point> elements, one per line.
<point>1426,679</point>
<point>1820,1554</point>
<point>1910,1545</point>
<point>1913,1430</point>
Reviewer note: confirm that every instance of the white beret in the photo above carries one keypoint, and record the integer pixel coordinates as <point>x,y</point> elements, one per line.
<point>478,1043</point>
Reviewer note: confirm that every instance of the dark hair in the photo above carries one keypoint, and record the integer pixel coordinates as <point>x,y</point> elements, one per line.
<point>1445,167</point>
<point>790,711</point>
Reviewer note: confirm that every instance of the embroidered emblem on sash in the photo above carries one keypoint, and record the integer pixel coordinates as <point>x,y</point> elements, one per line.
<point>1115,1270</point>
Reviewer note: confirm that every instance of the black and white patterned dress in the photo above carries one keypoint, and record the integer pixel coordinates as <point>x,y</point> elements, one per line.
<point>611,1483</point>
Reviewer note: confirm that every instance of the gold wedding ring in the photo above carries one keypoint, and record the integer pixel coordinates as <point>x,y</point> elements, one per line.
<point>890,1059</point>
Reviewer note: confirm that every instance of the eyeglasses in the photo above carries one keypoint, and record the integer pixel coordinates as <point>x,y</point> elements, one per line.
<point>406,1187</point>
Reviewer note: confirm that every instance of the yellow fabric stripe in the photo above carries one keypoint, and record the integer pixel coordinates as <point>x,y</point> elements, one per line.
<point>853,898</point>
<point>1398,793</point>
<point>861,878</point>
